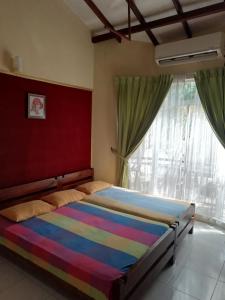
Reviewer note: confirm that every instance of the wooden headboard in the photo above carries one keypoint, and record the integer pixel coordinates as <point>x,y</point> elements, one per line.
<point>34,190</point>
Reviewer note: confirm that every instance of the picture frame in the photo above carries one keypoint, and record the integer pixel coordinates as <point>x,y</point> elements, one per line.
<point>36,106</point>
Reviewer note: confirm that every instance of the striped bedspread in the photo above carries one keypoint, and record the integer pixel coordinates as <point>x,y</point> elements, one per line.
<point>85,245</point>
<point>150,207</point>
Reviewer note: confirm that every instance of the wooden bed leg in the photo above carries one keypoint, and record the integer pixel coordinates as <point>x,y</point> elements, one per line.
<point>118,290</point>
<point>173,258</point>
<point>171,262</point>
<point>193,219</point>
<point>191,230</point>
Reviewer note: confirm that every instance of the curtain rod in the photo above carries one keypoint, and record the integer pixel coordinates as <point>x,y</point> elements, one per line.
<point>188,75</point>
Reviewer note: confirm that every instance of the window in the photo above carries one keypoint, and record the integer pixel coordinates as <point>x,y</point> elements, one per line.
<point>180,156</point>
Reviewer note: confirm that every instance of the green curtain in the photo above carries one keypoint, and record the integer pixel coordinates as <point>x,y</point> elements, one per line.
<point>211,89</point>
<point>138,101</point>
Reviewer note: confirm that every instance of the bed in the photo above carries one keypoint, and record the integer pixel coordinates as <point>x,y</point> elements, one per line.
<point>166,210</point>
<point>101,253</point>
<point>183,218</point>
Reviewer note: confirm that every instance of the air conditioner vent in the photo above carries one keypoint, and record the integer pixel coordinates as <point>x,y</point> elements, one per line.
<point>203,48</point>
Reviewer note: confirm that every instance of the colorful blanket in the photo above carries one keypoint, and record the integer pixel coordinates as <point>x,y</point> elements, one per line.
<point>154,208</point>
<point>85,245</point>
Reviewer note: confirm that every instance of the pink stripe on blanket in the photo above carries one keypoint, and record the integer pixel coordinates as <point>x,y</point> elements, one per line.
<point>76,264</point>
<point>109,226</point>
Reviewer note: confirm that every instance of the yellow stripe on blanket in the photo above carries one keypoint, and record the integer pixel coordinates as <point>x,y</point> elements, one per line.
<point>96,235</point>
<point>129,209</point>
<point>116,212</point>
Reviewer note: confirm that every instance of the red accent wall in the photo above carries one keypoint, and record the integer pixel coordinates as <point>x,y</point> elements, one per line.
<point>32,149</point>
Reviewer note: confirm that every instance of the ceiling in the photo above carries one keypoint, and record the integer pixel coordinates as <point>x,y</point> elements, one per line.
<point>116,11</point>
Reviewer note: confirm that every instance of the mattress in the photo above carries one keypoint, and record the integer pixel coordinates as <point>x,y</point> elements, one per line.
<point>87,246</point>
<point>154,208</point>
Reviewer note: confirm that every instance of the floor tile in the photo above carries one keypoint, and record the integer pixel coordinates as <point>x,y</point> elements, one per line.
<point>54,292</point>
<point>222,275</point>
<point>202,263</point>
<point>195,284</point>
<point>25,290</point>
<point>209,235</point>
<point>170,273</point>
<point>160,291</point>
<point>3,260</point>
<point>10,275</point>
<point>31,288</point>
<point>48,291</point>
<point>219,293</point>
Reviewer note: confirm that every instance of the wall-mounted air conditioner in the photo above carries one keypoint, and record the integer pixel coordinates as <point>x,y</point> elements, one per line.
<point>202,48</point>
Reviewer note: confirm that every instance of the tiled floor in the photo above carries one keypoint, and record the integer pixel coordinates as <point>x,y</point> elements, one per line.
<point>199,273</point>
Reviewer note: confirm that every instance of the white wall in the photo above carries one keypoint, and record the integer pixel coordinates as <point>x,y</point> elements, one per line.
<point>52,42</point>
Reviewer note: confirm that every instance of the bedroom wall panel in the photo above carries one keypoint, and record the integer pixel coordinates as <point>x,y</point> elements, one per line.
<point>33,149</point>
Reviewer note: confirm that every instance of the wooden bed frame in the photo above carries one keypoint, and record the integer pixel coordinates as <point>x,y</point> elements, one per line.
<point>185,224</point>
<point>26,192</point>
<point>162,252</point>
<point>150,265</point>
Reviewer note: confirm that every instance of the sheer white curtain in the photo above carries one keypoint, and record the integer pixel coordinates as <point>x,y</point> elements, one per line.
<point>180,156</point>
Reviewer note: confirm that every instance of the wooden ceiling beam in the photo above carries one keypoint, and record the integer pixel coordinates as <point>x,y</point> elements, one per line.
<point>193,14</point>
<point>104,20</point>
<point>142,21</point>
<point>179,10</point>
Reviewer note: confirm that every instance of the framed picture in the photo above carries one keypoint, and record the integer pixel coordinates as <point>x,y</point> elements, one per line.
<point>36,106</point>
